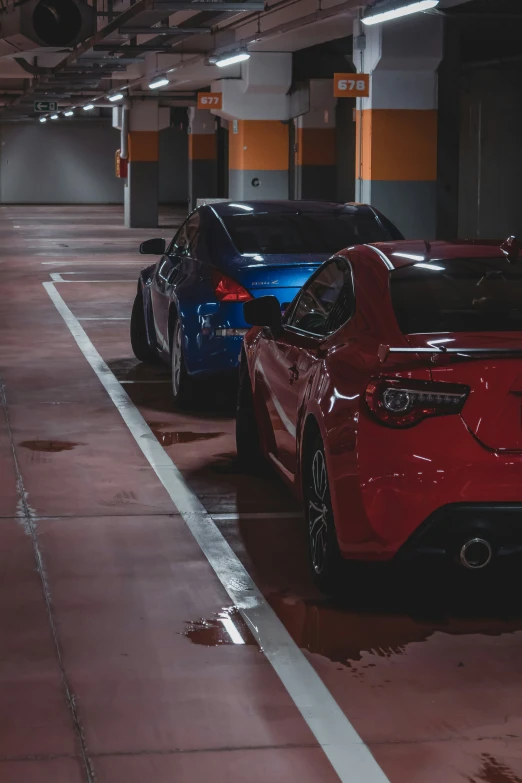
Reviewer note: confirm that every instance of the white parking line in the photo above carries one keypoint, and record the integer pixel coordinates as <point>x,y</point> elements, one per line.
<point>343,747</point>
<point>56,277</point>
<point>105,318</point>
<point>247,515</point>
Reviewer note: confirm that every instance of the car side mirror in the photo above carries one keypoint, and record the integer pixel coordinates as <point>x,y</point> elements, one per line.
<point>264,311</point>
<point>153,247</point>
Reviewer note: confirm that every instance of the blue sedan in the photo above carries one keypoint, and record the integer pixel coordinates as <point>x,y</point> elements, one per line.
<point>188,310</point>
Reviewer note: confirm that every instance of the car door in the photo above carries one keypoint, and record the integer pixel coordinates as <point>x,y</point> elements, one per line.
<point>167,274</point>
<point>288,363</point>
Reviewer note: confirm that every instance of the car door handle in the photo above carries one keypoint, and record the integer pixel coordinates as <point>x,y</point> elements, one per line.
<point>293,373</point>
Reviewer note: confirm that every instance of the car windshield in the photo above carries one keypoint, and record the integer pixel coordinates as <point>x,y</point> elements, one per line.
<point>458,295</point>
<point>305,232</point>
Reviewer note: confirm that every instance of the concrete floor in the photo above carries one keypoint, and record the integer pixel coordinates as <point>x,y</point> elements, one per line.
<point>116,665</point>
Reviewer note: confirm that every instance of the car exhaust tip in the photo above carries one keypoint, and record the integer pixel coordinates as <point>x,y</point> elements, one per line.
<point>476,554</point>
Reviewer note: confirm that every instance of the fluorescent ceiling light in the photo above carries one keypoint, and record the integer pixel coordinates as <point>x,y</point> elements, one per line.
<point>68,113</point>
<point>232,58</point>
<point>158,83</point>
<point>376,16</point>
<point>433,267</point>
<point>88,107</point>
<point>43,119</point>
<point>54,116</point>
<point>117,97</point>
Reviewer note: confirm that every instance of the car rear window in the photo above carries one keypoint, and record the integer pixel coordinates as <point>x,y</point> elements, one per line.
<point>305,232</point>
<point>458,295</point>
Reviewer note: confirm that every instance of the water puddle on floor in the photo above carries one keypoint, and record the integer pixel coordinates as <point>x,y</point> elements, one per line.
<point>49,445</point>
<point>344,635</point>
<point>494,771</point>
<point>225,627</point>
<point>172,437</point>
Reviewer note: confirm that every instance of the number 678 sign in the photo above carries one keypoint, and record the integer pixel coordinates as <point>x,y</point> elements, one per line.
<point>351,85</point>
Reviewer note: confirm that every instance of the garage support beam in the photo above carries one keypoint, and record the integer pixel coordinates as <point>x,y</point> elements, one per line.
<point>396,165</point>
<point>141,190</point>
<point>258,160</point>
<point>315,145</point>
<point>202,156</point>
<point>258,109</point>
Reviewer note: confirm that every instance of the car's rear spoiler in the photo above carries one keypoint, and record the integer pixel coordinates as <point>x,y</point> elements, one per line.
<point>386,350</point>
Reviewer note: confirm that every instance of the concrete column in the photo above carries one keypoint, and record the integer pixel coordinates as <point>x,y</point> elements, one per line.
<point>258,108</point>
<point>141,190</point>
<point>202,155</point>
<point>396,164</point>
<point>258,160</point>
<point>315,156</point>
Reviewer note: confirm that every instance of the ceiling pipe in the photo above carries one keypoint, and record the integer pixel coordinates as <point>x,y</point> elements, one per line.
<point>125,117</point>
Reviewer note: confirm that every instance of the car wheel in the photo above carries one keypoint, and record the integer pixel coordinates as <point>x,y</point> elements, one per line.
<point>325,556</point>
<point>248,442</point>
<point>138,333</point>
<point>182,386</point>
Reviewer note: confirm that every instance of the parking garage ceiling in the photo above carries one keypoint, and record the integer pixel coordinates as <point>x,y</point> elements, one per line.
<point>73,53</point>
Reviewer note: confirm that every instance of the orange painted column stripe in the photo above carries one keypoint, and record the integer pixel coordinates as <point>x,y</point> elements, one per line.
<point>315,147</point>
<point>143,146</point>
<point>202,146</point>
<point>259,145</point>
<point>397,145</point>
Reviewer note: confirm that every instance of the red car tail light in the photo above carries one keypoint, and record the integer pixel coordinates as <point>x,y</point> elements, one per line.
<point>227,290</point>
<point>404,403</point>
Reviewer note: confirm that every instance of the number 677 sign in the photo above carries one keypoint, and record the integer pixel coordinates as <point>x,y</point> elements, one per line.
<point>351,85</point>
<point>210,100</point>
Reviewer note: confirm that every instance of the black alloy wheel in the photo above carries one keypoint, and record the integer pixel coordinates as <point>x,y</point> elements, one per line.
<point>248,442</point>
<point>138,333</point>
<point>325,556</point>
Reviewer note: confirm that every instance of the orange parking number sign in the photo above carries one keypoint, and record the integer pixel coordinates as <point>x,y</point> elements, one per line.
<point>351,85</point>
<point>210,100</point>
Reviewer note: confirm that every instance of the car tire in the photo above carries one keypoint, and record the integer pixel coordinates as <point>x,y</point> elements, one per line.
<point>248,441</point>
<point>138,333</point>
<point>182,385</point>
<point>327,563</point>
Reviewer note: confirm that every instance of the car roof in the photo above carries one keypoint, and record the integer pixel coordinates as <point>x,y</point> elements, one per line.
<point>406,252</point>
<point>229,208</point>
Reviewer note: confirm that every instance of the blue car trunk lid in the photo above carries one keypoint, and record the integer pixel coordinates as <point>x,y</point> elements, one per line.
<point>274,276</point>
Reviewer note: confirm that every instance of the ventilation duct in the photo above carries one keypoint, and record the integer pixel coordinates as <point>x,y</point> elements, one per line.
<point>45,24</point>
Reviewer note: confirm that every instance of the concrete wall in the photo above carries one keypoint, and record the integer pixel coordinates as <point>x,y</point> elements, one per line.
<point>491,154</point>
<point>73,163</point>
<point>59,163</point>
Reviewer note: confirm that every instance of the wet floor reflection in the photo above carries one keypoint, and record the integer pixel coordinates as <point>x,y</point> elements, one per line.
<point>225,627</point>
<point>343,633</point>
<point>172,437</point>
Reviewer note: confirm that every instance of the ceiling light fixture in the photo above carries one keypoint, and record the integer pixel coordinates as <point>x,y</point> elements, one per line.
<point>159,83</point>
<point>387,12</point>
<point>231,59</point>
<point>43,119</point>
<point>68,113</point>
<point>117,97</point>
<point>88,107</point>
<point>54,116</point>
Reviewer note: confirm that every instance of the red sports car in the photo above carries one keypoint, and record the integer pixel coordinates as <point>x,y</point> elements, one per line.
<point>389,396</point>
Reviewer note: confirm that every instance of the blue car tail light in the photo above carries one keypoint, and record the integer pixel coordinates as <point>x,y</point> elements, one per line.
<point>228,290</point>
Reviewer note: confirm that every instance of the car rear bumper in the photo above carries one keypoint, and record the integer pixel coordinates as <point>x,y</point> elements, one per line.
<point>424,489</point>
<point>447,530</point>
